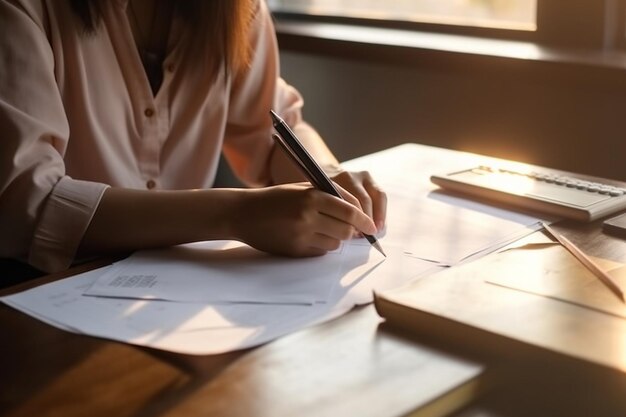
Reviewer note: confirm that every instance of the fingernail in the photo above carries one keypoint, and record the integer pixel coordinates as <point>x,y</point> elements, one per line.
<point>380,225</point>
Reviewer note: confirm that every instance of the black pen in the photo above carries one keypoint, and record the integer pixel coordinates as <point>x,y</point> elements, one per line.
<point>299,155</point>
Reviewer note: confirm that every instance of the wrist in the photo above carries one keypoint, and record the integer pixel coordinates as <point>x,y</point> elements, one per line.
<point>234,208</point>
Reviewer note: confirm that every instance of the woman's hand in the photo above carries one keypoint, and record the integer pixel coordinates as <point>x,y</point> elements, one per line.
<point>371,198</point>
<point>297,220</point>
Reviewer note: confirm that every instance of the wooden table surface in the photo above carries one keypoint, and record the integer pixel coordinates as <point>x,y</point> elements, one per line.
<point>323,370</point>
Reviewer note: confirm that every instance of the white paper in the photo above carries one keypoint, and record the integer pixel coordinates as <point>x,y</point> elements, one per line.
<point>197,328</point>
<point>221,272</point>
<point>360,279</point>
<point>181,327</point>
<point>434,225</point>
<point>446,229</point>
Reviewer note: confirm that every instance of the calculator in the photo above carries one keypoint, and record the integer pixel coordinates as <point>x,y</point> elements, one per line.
<point>545,192</point>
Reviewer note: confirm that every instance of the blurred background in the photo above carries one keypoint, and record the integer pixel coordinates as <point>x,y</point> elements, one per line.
<point>538,81</point>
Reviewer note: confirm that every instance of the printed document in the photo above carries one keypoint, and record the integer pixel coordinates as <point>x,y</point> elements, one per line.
<point>203,328</point>
<point>221,272</point>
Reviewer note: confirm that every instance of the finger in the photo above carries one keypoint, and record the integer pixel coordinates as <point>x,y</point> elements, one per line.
<point>312,251</point>
<point>353,181</point>
<point>324,243</point>
<point>316,244</point>
<point>364,202</point>
<point>334,228</point>
<point>349,197</point>
<point>303,253</point>
<point>379,202</point>
<point>364,198</point>
<point>346,213</point>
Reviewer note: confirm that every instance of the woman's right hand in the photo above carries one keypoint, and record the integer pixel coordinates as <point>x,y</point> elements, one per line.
<point>297,220</point>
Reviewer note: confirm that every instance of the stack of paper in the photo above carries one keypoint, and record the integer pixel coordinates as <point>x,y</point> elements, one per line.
<point>243,300</point>
<point>222,272</point>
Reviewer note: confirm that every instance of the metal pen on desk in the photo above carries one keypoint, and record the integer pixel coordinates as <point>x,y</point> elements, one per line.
<point>316,176</point>
<point>586,261</point>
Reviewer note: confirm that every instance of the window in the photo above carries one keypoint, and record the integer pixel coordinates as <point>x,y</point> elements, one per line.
<point>505,14</point>
<point>581,24</point>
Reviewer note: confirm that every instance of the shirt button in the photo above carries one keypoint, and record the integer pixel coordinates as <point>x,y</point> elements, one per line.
<point>149,112</point>
<point>150,184</point>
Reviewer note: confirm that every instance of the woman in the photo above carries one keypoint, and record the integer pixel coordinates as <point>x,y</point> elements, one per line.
<point>113,116</point>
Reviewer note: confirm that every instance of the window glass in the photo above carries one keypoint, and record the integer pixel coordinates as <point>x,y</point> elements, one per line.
<point>508,14</point>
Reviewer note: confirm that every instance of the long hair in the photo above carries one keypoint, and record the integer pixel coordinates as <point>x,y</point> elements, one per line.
<point>224,23</point>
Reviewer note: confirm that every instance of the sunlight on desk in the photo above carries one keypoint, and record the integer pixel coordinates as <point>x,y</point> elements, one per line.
<point>557,274</point>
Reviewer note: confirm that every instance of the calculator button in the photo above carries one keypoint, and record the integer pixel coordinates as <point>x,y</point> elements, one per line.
<point>573,193</point>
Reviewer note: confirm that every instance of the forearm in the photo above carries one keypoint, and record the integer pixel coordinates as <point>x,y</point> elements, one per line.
<point>128,219</point>
<point>293,219</point>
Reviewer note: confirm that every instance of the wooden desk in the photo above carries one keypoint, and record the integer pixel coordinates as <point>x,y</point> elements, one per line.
<point>350,366</point>
<point>324,370</point>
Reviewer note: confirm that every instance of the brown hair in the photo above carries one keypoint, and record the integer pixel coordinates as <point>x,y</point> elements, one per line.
<point>225,21</point>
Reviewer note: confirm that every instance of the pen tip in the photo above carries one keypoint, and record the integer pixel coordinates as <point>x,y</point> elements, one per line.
<point>379,248</point>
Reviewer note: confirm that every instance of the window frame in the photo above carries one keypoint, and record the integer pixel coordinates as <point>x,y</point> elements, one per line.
<point>603,26</point>
<point>588,24</point>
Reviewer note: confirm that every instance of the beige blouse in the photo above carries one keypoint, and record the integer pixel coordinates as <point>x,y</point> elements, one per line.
<point>77,115</point>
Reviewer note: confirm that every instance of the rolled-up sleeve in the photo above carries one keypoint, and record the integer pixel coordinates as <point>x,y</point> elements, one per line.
<point>43,212</point>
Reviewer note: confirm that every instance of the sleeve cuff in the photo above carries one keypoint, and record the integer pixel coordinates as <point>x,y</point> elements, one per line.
<point>63,222</point>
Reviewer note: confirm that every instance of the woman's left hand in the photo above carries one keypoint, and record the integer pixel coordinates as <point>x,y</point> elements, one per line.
<point>370,196</point>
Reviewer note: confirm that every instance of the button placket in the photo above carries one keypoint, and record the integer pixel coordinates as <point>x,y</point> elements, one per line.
<point>150,145</point>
